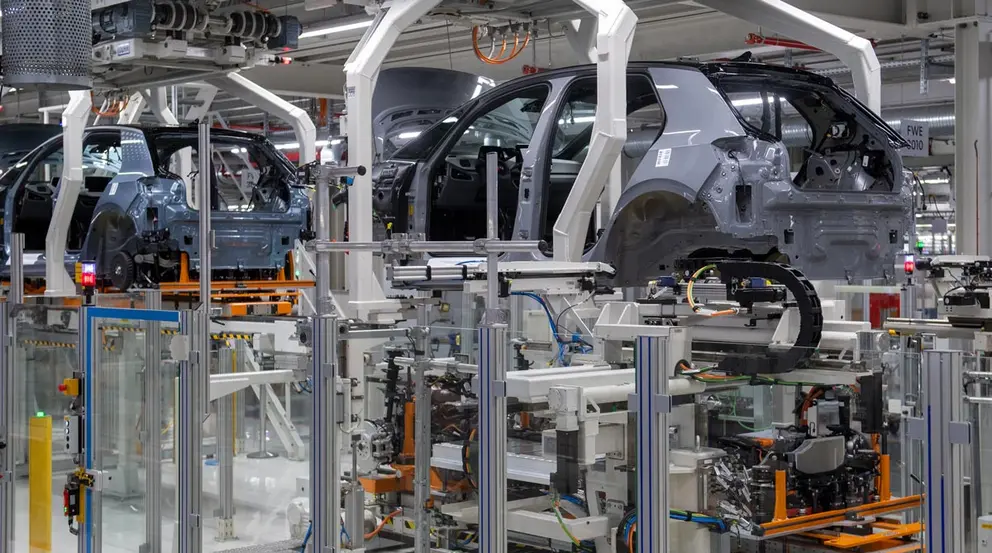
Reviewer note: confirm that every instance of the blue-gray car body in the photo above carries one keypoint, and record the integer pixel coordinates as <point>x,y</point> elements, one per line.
<point>134,215</point>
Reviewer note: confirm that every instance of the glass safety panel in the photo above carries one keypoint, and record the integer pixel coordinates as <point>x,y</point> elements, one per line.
<point>132,415</point>
<point>45,353</point>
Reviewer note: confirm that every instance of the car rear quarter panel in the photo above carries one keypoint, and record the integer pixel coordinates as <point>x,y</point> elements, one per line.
<point>688,192</point>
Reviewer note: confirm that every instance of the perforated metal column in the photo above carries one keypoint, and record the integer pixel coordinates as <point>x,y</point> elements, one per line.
<point>47,42</point>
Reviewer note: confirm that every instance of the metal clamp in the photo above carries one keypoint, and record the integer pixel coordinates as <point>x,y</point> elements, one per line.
<point>916,429</point>
<point>661,404</point>
<point>92,479</point>
<point>959,432</point>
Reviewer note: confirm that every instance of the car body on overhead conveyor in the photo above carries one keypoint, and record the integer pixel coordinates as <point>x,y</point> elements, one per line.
<point>17,139</point>
<point>137,217</point>
<point>406,101</point>
<point>722,160</point>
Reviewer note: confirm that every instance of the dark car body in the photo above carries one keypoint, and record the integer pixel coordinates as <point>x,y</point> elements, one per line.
<point>408,100</point>
<point>18,139</point>
<point>135,217</point>
<point>705,172</point>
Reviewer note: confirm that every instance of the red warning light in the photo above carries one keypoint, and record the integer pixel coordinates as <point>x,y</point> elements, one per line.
<point>89,275</point>
<point>909,266</point>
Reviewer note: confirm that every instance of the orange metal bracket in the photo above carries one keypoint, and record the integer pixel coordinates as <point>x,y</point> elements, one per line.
<point>884,483</point>
<point>852,541</point>
<point>820,520</point>
<point>780,492</point>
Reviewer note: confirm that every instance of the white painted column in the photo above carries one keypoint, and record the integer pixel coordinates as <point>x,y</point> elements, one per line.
<point>972,159</point>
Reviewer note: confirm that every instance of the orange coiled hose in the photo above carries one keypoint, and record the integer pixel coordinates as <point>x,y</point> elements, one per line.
<point>518,48</point>
<point>113,108</point>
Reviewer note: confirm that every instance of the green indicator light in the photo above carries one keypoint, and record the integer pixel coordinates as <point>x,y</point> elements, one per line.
<point>40,414</point>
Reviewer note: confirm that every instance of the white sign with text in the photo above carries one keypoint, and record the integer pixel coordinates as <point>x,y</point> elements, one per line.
<point>917,133</point>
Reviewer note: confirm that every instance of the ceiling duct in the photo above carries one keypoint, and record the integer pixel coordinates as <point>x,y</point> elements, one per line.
<point>939,117</point>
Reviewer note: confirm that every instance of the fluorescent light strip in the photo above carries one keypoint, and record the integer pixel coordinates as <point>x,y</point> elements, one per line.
<point>296,145</point>
<point>336,29</point>
<point>744,102</point>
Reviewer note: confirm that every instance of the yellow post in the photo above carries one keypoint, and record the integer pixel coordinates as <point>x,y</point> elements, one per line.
<point>234,404</point>
<point>40,484</point>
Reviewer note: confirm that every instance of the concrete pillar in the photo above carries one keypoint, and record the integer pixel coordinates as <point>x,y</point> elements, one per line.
<point>973,152</point>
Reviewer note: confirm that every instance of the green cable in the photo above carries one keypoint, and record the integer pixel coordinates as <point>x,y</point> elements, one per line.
<point>561,521</point>
<point>744,426</point>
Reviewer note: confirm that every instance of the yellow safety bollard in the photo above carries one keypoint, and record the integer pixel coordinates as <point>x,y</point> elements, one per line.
<point>40,484</point>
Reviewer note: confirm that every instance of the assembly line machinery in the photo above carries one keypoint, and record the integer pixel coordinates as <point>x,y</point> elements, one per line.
<point>701,357</point>
<point>723,406</point>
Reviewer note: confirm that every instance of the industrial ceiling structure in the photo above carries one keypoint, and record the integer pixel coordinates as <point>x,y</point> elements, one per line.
<point>914,41</point>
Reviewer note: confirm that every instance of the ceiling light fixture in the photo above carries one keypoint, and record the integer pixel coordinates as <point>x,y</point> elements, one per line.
<point>333,29</point>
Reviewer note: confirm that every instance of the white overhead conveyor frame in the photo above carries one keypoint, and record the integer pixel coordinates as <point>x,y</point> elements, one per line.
<point>159,107</point>
<point>856,52</point>
<point>241,87</point>
<point>361,72</point>
<point>614,36</point>
<point>58,281</point>
<point>135,105</point>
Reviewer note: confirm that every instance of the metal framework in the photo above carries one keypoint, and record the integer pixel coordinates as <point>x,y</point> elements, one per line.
<point>361,70</point>
<point>856,52</point>
<point>58,282</point>
<point>306,132</point>
<point>945,433</point>
<point>615,34</point>
<point>9,387</point>
<point>7,417</point>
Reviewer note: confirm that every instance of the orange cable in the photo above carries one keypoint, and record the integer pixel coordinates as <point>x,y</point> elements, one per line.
<point>382,524</point>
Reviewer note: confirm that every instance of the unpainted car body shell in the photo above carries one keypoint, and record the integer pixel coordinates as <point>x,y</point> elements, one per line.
<point>684,190</point>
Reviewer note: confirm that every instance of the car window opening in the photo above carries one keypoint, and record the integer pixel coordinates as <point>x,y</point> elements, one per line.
<point>35,200</point>
<point>573,134</point>
<point>246,176</point>
<point>828,147</point>
<point>458,196</point>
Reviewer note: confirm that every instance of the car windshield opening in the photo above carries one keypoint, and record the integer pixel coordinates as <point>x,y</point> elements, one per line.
<point>246,175</point>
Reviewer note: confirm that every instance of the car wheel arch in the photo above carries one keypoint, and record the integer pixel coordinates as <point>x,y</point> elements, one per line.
<point>95,248</point>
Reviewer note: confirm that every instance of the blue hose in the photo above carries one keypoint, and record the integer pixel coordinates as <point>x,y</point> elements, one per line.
<point>574,500</point>
<point>720,524</point>
<point>551,322</point>
<point>306,538</point>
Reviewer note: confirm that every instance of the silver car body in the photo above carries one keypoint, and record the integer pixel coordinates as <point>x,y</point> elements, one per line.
<point>701,178</point>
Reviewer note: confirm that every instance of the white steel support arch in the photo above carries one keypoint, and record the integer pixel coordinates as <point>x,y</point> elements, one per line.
<point>614,35</point>
<point>581,35</point>
<point>362,70</point>
<point>160,107</point>
<point>132,113</point>
<point>240,86</point>
<point>58,282</point>
<point>856,52</point>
